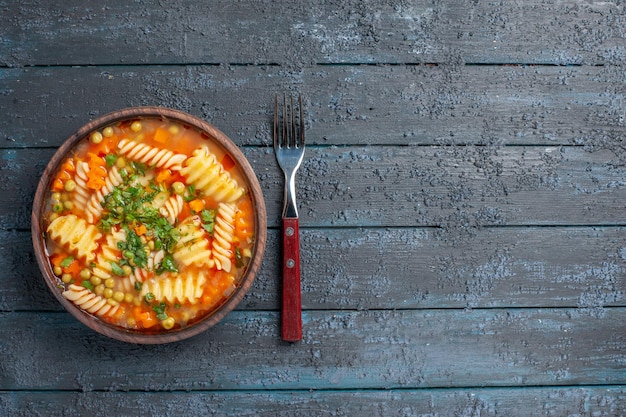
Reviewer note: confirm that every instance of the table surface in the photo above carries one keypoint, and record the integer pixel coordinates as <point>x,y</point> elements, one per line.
<point>462,204</point>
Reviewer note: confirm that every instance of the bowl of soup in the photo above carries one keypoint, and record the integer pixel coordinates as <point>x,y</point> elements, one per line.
<point>149,225</point>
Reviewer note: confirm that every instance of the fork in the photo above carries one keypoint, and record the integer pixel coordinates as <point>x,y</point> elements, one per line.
<point>289,150</point>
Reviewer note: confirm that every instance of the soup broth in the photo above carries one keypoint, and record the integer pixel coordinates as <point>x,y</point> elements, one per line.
<point>149,225</point>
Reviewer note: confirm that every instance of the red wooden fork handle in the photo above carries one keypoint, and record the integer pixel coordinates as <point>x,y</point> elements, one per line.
<point>291,317</point>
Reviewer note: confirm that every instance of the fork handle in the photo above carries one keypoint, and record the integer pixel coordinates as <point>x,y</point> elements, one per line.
<point>291,316</point>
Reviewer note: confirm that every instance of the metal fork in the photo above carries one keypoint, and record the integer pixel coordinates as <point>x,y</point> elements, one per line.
<point>289,150</point>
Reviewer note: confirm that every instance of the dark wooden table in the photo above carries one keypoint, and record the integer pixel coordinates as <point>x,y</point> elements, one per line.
<point>462,200</point>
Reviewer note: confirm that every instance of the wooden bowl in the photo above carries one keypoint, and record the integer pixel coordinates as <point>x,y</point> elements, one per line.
<point>38,227</point>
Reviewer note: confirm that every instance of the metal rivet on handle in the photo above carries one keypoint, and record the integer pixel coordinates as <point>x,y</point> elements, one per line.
<point>291,263</point>
<point>289,231</point>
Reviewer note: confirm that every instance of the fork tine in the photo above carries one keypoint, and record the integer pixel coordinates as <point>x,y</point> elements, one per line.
<point>276,121</point>
<point>288,122</point>
<point>301,121</point>
<point>292,134</point>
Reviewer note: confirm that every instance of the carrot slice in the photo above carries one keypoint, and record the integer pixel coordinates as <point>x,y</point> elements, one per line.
<point>140,230</point>
<point>161,135</point>
<point>196,205</point>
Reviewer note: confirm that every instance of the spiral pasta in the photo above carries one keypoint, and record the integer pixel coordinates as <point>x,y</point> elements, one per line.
<point>193,247</point>
<point>171,208</point>
<point>139,275</point>
<point>223,236</point>
<point>75,235</point>
<point>81,194</point>
<point>90,302</point>
<point>94,207</point>
<point>109,253</point>
<point>207,174</point>
<point>150,155</point>
<point>176,289</point>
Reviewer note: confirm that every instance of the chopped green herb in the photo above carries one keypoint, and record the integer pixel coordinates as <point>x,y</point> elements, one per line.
<point>191,193</point>
<point>149,297</point>
<point>238,258</point>
<point>110,159</point>
<point>138,285</point>
<point>167,264</point>
<point>208,219</point>
<point>133,249</point>
<point>159,309</point>
<point>117,269</point>
<point>66,262</point>
<point>87,284</point>
<point>139,167</point>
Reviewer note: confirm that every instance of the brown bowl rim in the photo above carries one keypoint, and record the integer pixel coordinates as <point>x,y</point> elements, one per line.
<point>258,201</point>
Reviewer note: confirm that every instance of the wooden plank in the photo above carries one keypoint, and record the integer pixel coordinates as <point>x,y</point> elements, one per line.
<point>406,268</point>
<point>293,33</point>
<point>528,402</point>
<point>340,350</point>
<point>456,189</point>
<point>346,105</point>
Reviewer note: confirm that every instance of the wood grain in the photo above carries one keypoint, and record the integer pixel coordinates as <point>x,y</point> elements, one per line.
<point>462,202</point>
<point>292,33</point>
<point>345,105</point>
<point>490,402</point>
<point>352,350</point>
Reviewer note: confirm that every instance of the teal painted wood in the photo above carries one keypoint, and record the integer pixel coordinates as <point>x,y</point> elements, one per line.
<point>346,105</point>
<point>401,268</point>
<point>297,34</point>
<point>346,350</point>
<point>527,402</point>
<point>443,192</point>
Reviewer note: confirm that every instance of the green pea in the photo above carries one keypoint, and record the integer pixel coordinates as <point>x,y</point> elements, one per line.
<point>70,185</point>
<point>96,137</point>
<point>168,323</point>
<point>99,290</point>
<point>136,126</point>
<point>178,188</point>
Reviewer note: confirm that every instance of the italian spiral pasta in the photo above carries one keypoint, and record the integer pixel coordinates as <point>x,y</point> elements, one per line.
<point>146,231</point>
<point>94,207</point>
<point>81,194</point>
<point>207,174</point>
<point>108,254</point>
<point>223,232</point>
<point>75,235</point>
<point>89,301</point>
<point>171,208</point>
<point>193,248</point>
<point>150,155</point>
<point>176,289</point>
<point>139,275</point>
